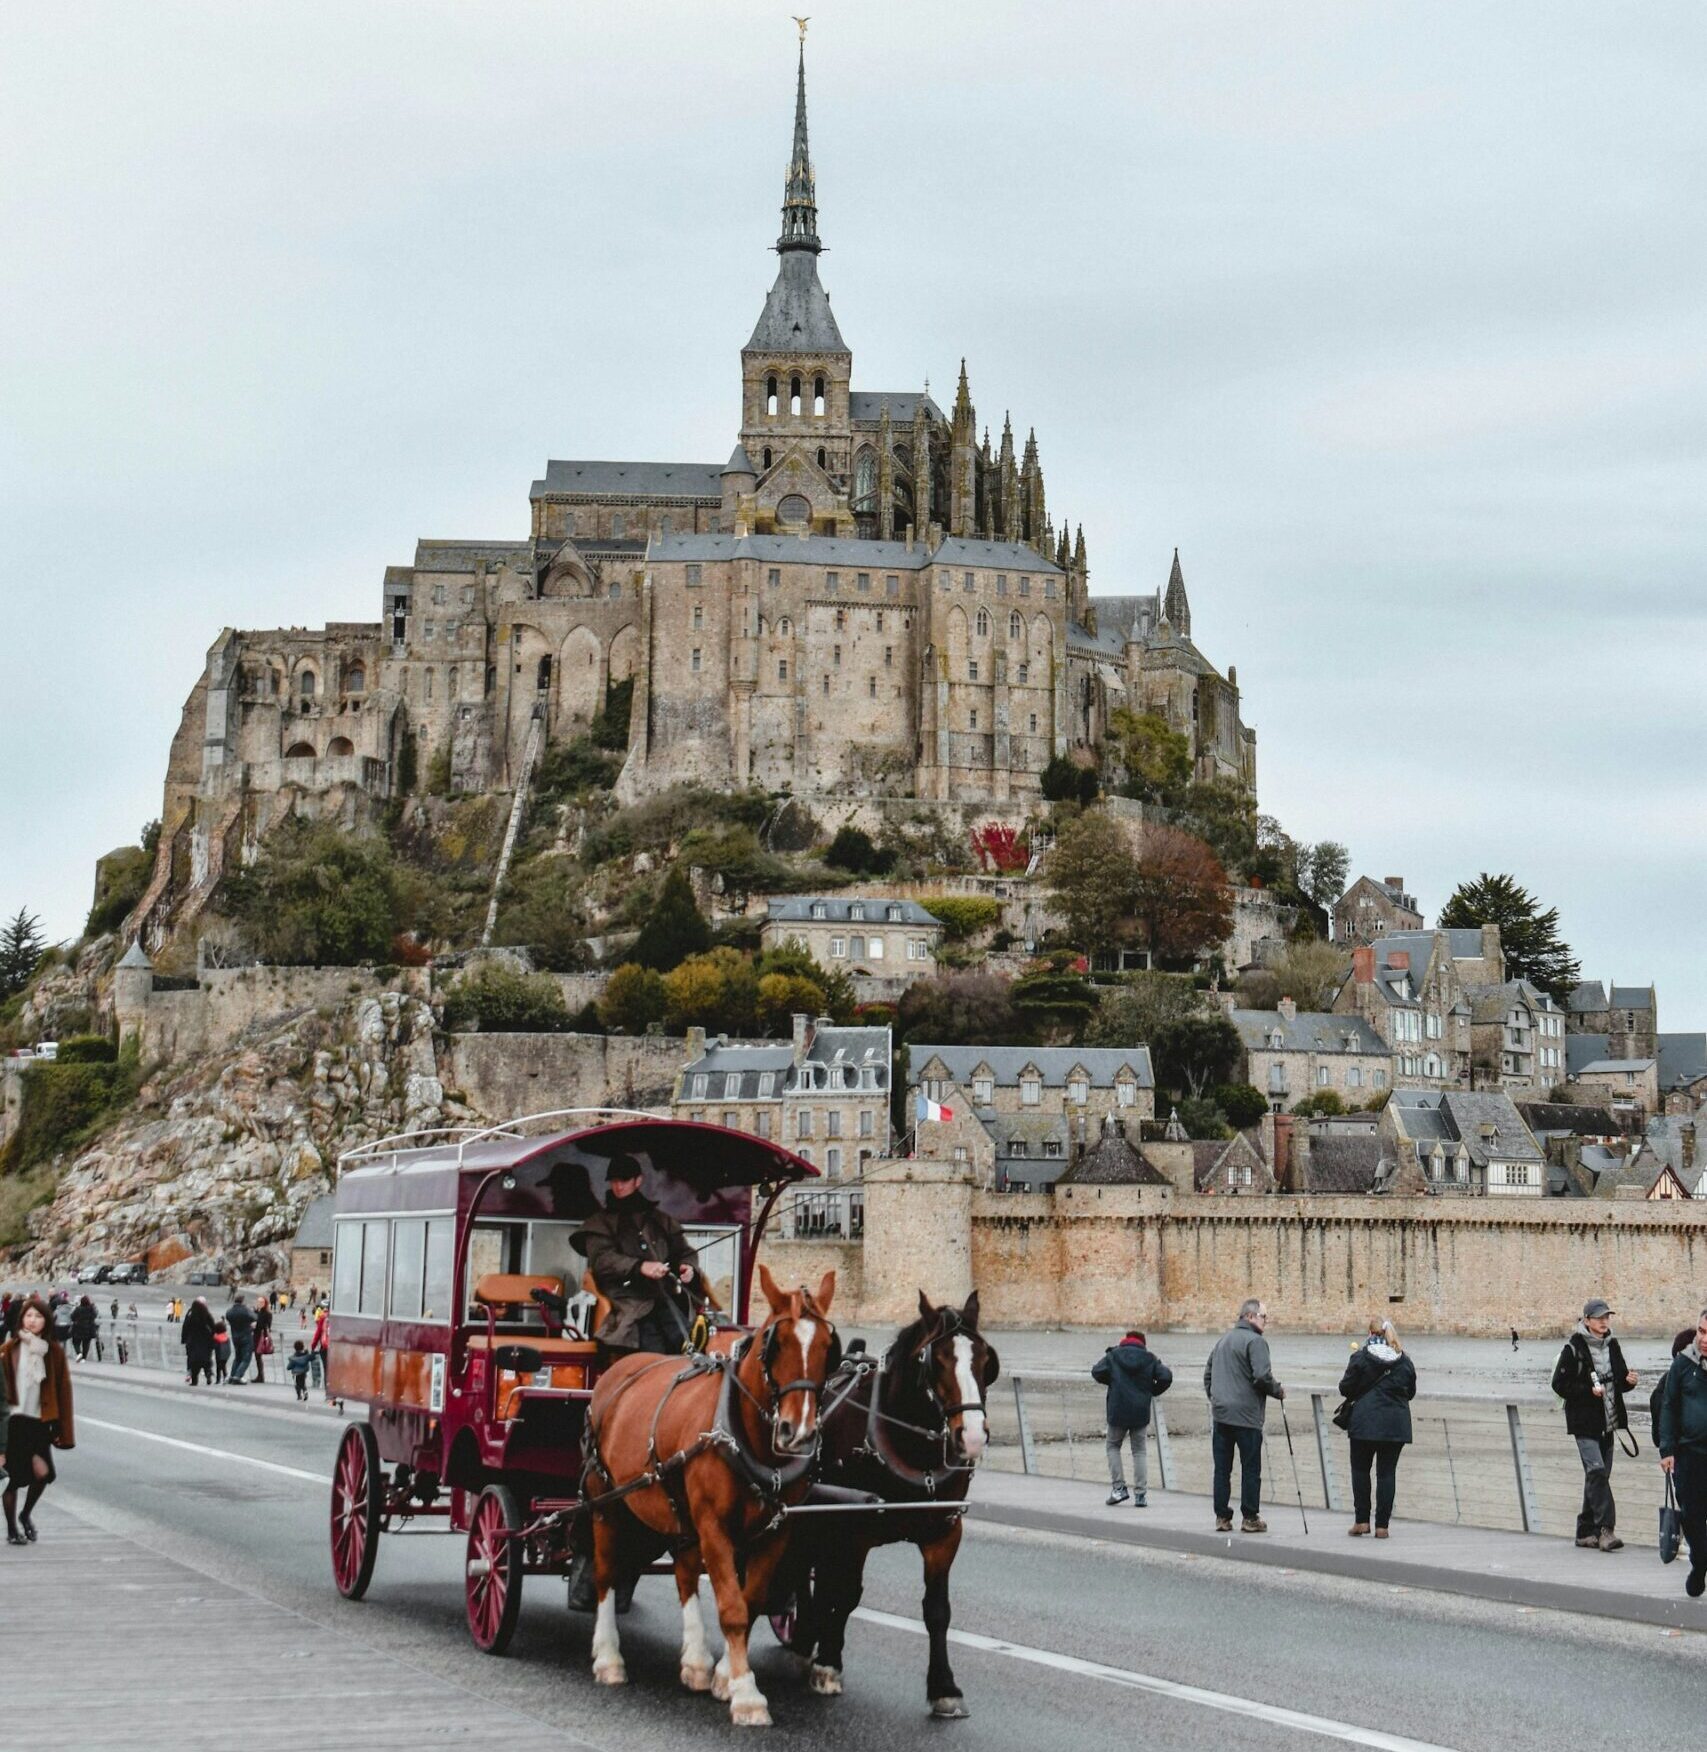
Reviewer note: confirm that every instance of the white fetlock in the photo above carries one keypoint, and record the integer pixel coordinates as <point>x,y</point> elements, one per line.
<point>747,1705</point>
<point>826,1681</point>
<point>611,1672</point>
<point>697,1678</point>
<point>696,1656</point>
<point>608,1665</point>
<point>720,1679</point>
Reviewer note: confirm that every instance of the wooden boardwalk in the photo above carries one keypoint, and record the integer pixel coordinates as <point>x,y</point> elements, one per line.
<point>113,1648</point>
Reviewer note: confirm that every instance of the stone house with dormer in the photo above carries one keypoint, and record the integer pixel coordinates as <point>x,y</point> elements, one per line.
<point>1370,909</point>
<point>1291,1054</point>
<point>1032,1106</point>
<point>888,939</point>
<point>1407,987</point>
<point>1517,1039</point>
<point>1444,1141</point>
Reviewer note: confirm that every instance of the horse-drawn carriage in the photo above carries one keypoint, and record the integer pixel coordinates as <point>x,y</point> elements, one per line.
<point>463,1315</point>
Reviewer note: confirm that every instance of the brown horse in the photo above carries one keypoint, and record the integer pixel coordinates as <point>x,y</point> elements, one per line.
<point>909,1429</point>
<point>701,1457</point>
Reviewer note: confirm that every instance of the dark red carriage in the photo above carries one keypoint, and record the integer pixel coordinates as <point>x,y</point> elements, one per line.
<point>476,1386</point>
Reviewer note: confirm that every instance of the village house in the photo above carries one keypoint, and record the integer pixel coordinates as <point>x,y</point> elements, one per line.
<point>1407,987</point>
<point>311,1249</point>
<point>1370,909</point>
<point>1020,1112</point>
<point>1517,1038</point>
<point>824,1094</point>
<point>1444,1141</point>
<point>1631,1085</point>
<point>1682,1073</point>
<point>1291,1054</point>
<point>1627,1015</point>
<point>895,939</point>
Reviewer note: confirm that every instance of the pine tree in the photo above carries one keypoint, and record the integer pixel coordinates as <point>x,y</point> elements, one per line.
<point>1529,937</point>
<point>21,947</point>
<point>674,929</point>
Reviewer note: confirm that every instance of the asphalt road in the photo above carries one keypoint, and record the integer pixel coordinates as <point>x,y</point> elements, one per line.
<point>1071,1642</point>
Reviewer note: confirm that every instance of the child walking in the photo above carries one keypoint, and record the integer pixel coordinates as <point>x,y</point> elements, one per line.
<point>297,1363</point>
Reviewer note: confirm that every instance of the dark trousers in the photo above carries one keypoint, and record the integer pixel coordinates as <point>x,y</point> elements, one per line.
<point>1223,1440</point>
<point>1599,1514</point>
<point>1690,1478</point>
<point>203,1367</point>
<point>1384,1457</point>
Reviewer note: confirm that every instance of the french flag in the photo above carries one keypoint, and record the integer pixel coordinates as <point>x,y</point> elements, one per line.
<point>928,1109</point>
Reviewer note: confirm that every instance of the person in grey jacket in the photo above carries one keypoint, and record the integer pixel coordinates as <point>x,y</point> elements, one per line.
<point>1239,1381</point>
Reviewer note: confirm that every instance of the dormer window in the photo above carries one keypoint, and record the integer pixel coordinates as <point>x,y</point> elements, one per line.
<point>701,1085</point>
<point>1030,1089</point>
<point>820,910</point>
<point>1078,1090</point>
<point>856,910</point>
<point>732,1085</point>
<point>983,1091</point>
<point>894,915</point>
<point>1276,1040</point>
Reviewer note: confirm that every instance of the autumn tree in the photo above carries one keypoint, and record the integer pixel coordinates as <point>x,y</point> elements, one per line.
<point>633,999</point>
<point>1529,937</point>
<point>1180,896</point>
<point>717,991</point>
<point>1093,877</point>
<point>971,1009</point>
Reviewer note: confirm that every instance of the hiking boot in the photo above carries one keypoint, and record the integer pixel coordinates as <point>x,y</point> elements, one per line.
<point>1695,1584</point>
<point>1358,1529</point>
<point>1140,1501</point>
<point>1589,1541</point>
<point>1223,1523</point>
<point>1609,1541</point>
<point>1253,1524</point>
<point>1380,1532</point>
<point>1118,1494</point>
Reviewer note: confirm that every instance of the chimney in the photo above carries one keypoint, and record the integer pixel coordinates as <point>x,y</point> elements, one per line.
<point>1686,1146</point>
<point>1288,1009</point>
<point>1396,883</point>
<point>1363,964</point>
<point>695,1044</point>
<point>1398,961</point>
<point>802,1035</point>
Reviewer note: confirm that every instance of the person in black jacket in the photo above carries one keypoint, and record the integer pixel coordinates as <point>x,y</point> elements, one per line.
<point>1134,1376</point>
<point>1591,1377</point>
<point>1682,1439</point>
<point>240,1322</point>
<point>197,1333</point>
<point>1380,1381</point>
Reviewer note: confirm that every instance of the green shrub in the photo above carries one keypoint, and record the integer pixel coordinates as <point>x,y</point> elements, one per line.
<point>633,999</point>
<point>499,1000</point>
<point>963,915</point>
<point>675,928</point>
<point>1240,1103</point>
<point>64,1105</point>
<point>1202,1118</point>
<point>1065,781</point>
<point>1321,1105</point>
<point>542,909</point>
<point>852,849</point>
<point>734,853</point>
<point>87,1049</point>
<point>438,771</point>
<point>659,823</point>
<point>567,769</point>
<point>318,897</point>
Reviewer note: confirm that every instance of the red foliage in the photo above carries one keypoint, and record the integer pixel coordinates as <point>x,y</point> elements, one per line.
<point>1000,848</point>
<point>406,952</point>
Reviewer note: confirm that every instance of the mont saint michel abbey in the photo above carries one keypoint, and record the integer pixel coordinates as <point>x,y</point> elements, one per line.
<point>868,597</point>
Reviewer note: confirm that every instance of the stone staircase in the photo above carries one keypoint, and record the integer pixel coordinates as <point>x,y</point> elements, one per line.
<point>518,808</point>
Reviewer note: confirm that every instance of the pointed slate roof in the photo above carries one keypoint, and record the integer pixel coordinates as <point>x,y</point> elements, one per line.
<point>136,956</point>
<point>1175,604</point>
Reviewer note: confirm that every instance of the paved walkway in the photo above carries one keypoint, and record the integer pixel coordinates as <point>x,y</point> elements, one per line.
<point>1523,1569</point>
<point>181,1678</point>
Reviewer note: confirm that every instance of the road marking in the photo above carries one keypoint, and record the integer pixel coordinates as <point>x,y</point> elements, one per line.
<point>1244,1706</point>
<point>211,1453</point>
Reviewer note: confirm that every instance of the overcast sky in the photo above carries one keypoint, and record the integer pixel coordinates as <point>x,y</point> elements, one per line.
<point>1390,317</point>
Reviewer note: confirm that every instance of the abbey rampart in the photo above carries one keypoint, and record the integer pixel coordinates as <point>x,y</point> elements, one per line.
<point>865,600</point>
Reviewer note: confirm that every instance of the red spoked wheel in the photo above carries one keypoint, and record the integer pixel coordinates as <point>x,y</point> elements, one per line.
<point>494,1570</point>
<point>358,1499</point>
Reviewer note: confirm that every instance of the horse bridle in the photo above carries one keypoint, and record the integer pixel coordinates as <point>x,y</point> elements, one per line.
<point>952,1327</point>
<point>780,1390</point>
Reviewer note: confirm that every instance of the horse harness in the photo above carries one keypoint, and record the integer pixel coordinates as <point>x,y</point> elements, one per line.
<point>877,1444</point>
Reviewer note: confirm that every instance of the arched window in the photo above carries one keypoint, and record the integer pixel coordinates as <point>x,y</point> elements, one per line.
<point>615,593</point>
<point>983,624</point>
<point>306,684</point>
<point>355,679</point>
<point>794,395</point>
<point>818,395</point>
<point>664,524</point>
<point>617,526</point>
<point>767,456</point>
<point>340,746</point>
<point>823,457</point>
<point>1016,627</point>
<point>865,481</point>
<point>544,682</point>
<point>795,509</point>
<point>450,683</point>
<point>770,396</point>
<point>300,751</point>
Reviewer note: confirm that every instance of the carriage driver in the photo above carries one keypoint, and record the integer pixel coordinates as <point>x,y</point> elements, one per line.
<point>632,1247</point>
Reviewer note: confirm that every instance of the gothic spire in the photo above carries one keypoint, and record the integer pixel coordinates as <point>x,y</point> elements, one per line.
<point>1175,605</point>
<point>800,193</point>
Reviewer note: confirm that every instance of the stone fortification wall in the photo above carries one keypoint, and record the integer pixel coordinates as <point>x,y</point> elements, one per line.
<point>506,1075</point>
<point>805,1262</point>
<point>1325,1264</point>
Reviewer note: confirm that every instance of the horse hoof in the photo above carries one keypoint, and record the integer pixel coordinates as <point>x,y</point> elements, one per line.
<point>949,1709</point>
<point>750,1715</point>
<point>827,1681</point>
<point>720,1682</point>
<point>610,1673</point>
<point>697,1678</point>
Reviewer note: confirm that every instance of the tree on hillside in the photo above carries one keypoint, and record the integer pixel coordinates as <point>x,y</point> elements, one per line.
<point>1157,760</point>
<point>1196,1053</point>
<point>1064,780</point>
<point>1180,897</point>
<point>633,999</point>
<point>1322,871</point>
<point>1225,818</point>
<point>1094,879</point>
<point>1530,938</point>
<point>717,991</point>
<point>317,896</point>
<point>1134,1013</point>
<point>963,1009</point>
<point>674,929</point>
<point>1309,972</point>
<point>21,946</point>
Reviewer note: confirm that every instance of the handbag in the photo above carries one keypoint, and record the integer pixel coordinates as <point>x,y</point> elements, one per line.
<point>1342,1415</point>
<point>1671,1524</point>
<point>264,1346</point>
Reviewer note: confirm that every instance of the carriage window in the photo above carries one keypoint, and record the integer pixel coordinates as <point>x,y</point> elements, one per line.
<point>347,1268</point>
<point>550,1255</point>
<point>436,1280</point>
<point>408,1257</point>
<point>372,1300</point>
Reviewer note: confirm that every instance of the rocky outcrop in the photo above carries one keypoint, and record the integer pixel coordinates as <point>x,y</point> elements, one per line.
<point>217,1160</point>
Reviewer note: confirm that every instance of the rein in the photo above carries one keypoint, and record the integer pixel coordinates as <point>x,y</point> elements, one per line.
<point>879,1421</point>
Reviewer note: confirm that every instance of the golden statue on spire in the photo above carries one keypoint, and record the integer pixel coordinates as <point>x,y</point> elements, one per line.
<point>803,22</point>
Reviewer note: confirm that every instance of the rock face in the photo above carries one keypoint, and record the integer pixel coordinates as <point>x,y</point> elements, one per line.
<point>218,1159</point>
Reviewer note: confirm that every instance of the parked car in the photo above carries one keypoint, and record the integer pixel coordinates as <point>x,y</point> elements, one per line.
<point>93,1274</point>
<point>47,1049</point>
<point>129,1273</point>
<point>205,1277</point>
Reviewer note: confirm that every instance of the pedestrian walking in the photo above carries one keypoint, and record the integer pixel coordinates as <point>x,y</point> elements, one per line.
<point>298,1364</point>
<point>115,1310</point>
<point>240,1323</point>
<point>1134,1376</point>
<point>1680,1432</point>
<point>197,1329</point>
<point>1239,1381</point>
<point>59,1319</point>
<point>1378,1386</point>
<point>221,1351</point>
<point>263,1338</point>
<point>1591,1377</point>
<point>1514,1338</point>
<point>84,1323</point>
<point>317,1352</point>
<point>36,1384</point>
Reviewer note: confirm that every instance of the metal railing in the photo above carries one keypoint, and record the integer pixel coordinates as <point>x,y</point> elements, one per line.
<point>1471,1462</point>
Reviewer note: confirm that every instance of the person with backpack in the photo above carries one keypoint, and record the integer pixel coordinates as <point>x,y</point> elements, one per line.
<point>1377,1387</point>
<point>1134,1376</point>
<point>1591,1377</point>
<point>1680,1433</point>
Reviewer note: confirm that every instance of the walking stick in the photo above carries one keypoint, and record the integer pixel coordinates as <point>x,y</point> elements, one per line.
<point>1293,1456</point>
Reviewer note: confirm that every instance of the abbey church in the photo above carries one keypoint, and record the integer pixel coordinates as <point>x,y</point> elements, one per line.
<point>867,598</point>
